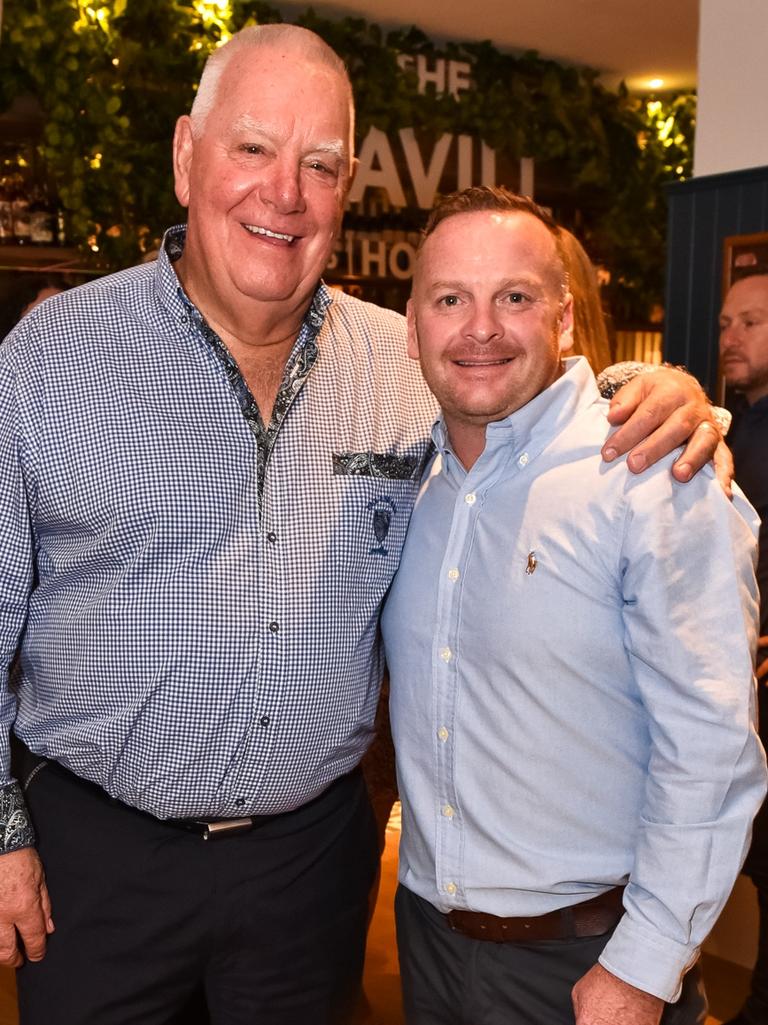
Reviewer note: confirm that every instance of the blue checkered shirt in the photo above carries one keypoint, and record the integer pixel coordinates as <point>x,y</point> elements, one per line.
<point>195,595</point>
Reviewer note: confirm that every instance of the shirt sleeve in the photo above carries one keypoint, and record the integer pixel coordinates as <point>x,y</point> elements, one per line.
<point>16,575</point>
<point>690,619</point>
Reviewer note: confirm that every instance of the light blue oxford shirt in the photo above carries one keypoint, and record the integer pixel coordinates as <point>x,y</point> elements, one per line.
<point>570,649</point>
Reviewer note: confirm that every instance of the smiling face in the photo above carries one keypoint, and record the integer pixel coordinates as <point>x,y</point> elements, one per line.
<point>744,337</point>
<point>265,182</point>
<point>488,316</point>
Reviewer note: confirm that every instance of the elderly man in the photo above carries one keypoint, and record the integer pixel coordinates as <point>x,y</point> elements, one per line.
<point>208,466</point>
<point>577,758</point>
<point>744,358</point>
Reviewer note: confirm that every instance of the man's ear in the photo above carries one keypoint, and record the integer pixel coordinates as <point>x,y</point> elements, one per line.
<point>183,147</point>
<point>413,337</point>
<point>566,324</point>
<point>354,164</point>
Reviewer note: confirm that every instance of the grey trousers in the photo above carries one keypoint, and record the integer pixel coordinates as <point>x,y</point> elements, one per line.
<point>450,979</point>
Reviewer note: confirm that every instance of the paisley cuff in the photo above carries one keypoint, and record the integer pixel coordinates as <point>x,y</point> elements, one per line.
<point>15,824</point>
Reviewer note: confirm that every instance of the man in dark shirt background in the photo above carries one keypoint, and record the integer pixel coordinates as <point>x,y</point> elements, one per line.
<point>744,356</point>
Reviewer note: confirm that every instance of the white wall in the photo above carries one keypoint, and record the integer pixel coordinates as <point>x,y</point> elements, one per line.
<point>732,120</point>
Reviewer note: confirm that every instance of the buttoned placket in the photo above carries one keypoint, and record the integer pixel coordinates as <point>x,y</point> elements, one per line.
<point>499,460</point>
<point>263,718</point>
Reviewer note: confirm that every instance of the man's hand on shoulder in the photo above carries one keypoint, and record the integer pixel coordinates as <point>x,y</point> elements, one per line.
<point>659,411</point>
<point>25,908</point>
<point>600,998</point>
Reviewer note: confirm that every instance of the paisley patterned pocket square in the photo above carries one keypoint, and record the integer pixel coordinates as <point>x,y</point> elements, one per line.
<point>374,464</point>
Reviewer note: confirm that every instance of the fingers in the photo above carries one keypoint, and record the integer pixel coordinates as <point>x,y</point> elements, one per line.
<point>648,437</point>
<point>47,910</point>
<point>10,956</point>
<point>724,468</point>
<point>700,449</point>
<point>627,399</point>
<point>638,427</point>
<point>762,670</point>
<point>33,932</point>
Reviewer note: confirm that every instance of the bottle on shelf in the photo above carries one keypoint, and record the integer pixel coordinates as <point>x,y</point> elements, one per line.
<point>6,211</point>
<point>20,205</point>
<point>61,227</point>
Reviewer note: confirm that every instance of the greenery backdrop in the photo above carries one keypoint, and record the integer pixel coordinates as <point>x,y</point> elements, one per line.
<point>113,75</point>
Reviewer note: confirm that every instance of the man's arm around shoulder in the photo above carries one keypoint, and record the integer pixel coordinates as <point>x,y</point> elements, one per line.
<point>690,614</point>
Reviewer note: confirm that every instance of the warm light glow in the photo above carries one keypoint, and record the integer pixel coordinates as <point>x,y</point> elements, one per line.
<point>656,83</point>
<point>95,161</point>
<point>116,61</point>
<point>91,14</point>
<point>214,14</point>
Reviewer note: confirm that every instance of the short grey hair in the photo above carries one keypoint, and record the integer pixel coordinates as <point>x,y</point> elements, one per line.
<point>301,41</point>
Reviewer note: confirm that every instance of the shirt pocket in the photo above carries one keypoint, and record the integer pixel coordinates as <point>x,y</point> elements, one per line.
<point>373,516</point>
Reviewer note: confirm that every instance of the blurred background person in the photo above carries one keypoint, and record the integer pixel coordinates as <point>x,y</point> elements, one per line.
<point>744,361</point>
<point>590,331</point>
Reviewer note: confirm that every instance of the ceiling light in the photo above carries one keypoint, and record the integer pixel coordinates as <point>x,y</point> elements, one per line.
<point>656,83</point>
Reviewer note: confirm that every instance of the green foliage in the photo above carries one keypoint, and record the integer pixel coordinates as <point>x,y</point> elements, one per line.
<point>112,76</point>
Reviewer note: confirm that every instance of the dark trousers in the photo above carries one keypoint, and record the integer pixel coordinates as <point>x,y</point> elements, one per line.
<point>271,923</point>
<point>450,979</point>
<point>755,1011</point>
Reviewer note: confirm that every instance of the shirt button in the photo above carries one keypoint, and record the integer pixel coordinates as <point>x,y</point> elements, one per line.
<point>240,802</point>
<point>443,734</point>
<point>453,574</point>
<point>471,498</point>
<point>446,654</point>
<point>447,811</point>
<point>264,720</point>
<point>274,627</point>
<point>271,537</point>
<point>523,460</point>
<point>450,888</point>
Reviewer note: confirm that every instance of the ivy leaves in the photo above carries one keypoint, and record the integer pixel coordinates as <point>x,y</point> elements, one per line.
<point>112,78</point>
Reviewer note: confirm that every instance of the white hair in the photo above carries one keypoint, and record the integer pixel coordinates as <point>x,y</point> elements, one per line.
<point>301,41</point>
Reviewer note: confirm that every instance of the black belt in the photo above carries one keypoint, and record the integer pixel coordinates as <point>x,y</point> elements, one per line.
<point>217,829</point>
<point>208,829</point>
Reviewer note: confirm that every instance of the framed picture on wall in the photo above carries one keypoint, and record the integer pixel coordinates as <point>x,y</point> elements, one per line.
<point>742,254</point>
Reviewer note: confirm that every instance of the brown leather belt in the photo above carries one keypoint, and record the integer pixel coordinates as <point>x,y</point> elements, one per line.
<point>592,917</point>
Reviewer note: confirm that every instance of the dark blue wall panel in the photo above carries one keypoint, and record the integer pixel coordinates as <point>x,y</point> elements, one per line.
<point>702,213</point>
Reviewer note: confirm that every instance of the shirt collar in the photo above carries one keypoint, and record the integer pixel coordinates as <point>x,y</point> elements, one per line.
<point>175,300</point>
<point>535,424</point>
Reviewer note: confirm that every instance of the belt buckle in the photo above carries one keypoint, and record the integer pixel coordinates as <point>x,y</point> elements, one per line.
<point>225,827</point>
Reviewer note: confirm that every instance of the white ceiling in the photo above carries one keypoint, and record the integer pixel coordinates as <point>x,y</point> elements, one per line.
<point>634,40</point>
